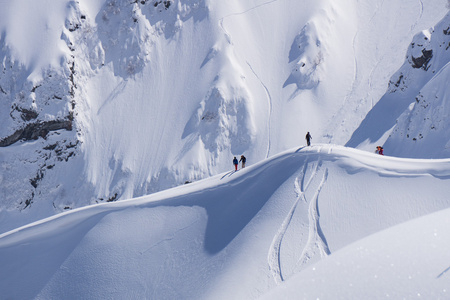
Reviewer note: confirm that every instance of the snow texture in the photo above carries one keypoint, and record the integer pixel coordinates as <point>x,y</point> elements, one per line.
<point>288,226</point>
<point>107,100</point>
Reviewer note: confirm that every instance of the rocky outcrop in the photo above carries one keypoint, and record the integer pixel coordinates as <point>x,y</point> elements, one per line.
<point>411,119</point>
<point>37,112</point>
<point>423,60</point>
<point>33,131</point>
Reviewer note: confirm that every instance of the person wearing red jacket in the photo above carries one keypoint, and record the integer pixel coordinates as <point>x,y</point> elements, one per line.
<point>379,150</point>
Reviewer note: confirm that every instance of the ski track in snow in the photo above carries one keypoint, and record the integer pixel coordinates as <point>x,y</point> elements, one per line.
<point>316,238</point>
<point>113,95</point>
<point>171,237</point>
<point>355,81</point>
<point>228,174</point>
<point>228,36</point>
<point>443,273</point>
<point>229,40</point>
<point>250,9</point>
<point>269,97</point>
<point>274,257</point>
<point>371,79</point>
<point>418,18</point>
<point>372,72</point>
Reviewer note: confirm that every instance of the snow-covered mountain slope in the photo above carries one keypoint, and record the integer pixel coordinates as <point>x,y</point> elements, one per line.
<point>105,100</point>
<point>404,262</point>
<point>411,119</point>
<point>238,235</point>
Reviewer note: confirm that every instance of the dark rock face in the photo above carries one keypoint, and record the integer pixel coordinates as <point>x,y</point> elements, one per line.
<point>38,135</point>
<point>33,131</point>
<point>422,61</point>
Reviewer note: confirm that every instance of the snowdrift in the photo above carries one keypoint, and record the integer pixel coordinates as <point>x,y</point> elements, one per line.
<point>239,235</point>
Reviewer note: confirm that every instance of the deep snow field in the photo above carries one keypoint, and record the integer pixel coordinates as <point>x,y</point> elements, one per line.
<point>316,222</point>
<point>119,120</point>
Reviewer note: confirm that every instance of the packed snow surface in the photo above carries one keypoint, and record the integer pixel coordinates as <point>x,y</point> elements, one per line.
<point>258,231</point>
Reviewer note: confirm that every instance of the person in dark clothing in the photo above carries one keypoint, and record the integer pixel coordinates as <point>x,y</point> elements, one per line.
<point>235,162</point>
<point>243,159</point>
<point>308,138</point>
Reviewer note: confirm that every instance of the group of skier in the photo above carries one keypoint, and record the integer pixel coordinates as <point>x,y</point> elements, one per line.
<point>308,138</point>
<point>244,159</point>
<point>236,162</point>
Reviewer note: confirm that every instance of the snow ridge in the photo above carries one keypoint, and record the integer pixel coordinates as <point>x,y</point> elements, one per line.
<point>215,238</point>
<point>118,99</point>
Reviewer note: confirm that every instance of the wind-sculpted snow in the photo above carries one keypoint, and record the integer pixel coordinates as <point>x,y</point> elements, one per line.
<point>308,54</point>
<point>237,235</point>
<point>168,16</point>
<point>407,261</point>
<point>127,31</point>
<point>105,100</point>
<point>221,122</point>
<point>125,36</point>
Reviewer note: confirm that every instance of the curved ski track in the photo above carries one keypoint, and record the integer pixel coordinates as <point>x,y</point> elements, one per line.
<point>269,97</point>
<point>229,40</point>
<point>316,238</point>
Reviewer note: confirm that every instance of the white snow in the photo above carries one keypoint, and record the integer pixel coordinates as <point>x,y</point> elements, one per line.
<point>410,119</point>
<point>407,261</point>
<point>241,235</point>
<point>162,93</point>
<point>34,34</point>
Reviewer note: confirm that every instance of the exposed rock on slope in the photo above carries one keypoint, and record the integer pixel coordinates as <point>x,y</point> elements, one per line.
<point>412,117</point>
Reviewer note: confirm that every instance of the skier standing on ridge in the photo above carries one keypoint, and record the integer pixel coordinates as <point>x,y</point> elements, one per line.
<point>243,159</point>
<point>235,162</point>
<point>308,138</point>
